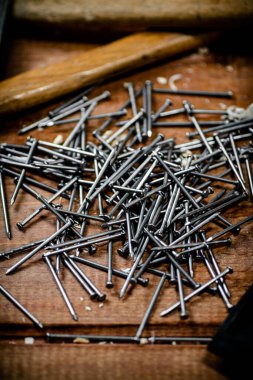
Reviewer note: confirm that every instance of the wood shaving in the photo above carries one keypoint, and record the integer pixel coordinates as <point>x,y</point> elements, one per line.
<point>126,270</point>
<point>173,79</point>
<point>107,134</point>
<point>203,50</point>
<point>58,140</point>
<point>161,80</point>
<point>29,340</point>
<point>229,68</point>
<point>81,340</point>
<point>223,106</point>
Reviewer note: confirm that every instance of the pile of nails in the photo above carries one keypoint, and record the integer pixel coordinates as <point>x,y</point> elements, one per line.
<point>165,202</point>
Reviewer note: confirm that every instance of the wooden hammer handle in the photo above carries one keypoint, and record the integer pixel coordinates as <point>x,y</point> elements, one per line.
<point>41,85</point>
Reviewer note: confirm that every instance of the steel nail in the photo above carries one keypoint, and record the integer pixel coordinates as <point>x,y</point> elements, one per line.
<point>61,288</point>
<point>18,305</point>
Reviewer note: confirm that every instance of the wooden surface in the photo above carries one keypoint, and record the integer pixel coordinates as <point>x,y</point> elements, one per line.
<point>118,362</point>
<point>80,15</point>
<point>137,50</point>
<point>221,69</point>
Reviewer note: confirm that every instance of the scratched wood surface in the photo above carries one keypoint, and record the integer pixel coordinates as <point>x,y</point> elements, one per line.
<point>33,285</point>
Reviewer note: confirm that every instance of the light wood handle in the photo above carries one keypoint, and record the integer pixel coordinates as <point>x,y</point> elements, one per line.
<point>41,85</point>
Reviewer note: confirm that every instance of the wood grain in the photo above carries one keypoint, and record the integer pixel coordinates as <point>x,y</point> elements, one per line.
<point>106,362</point>
<point>131,52</point>
<point>34,287</point>
<point>212,71</point>
<point>80,15</point>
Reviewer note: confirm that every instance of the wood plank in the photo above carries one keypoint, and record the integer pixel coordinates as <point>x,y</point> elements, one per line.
<point>33,285</point>
<point>133,15</point>
<point>119,362</point>
<point>219,70</point>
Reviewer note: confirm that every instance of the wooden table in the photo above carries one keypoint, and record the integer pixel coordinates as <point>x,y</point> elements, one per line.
<point>224,67</point>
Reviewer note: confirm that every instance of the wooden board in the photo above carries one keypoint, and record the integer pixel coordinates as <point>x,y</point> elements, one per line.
<point>80,15</point>
<point>107,362</point>
<point>34,287</point>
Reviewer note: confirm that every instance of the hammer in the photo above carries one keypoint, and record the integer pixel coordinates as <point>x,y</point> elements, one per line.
<point>38,86</point>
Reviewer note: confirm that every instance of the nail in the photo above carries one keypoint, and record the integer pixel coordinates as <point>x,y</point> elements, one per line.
<point>32,126</point>
<point>179,184</point>
<point>61,288</point>
<point>39,247</point>
<point>238,163</point>
<point>197,291</point>
<point>197,111</point>
<point>221,146</point>
<point>100,296</point>
<point>109,114</point>
<point>84,103</point>
<point>217,269</point>
<point>221,207</point>
<point>183,339</point>
<point>109,283</point>
<point>79,125</point>
<point>188,227</point>
<point>122,143</point>
<point>111,119</point>
<point>186,123</point>
<point>4,205</point>
<point>125,127</point>
<point>102,141</point>
<point>211,94</point>
<point>219,285</point>
<point>34,182</point>
<point>143,223</point>
<point>225,127</point>
<point>85,153</point>
<point>129,234</point>
<point>150,308</point>
<point>214,203</point>
<point>104,268</point>
<point>55,153</point>
<point>22,248</point>
<point>59,109</point>
<point>23,172</point>
<point>77,274</point>
<point>189,110</point>
<point>18,305</point>
<point>93,338</point>
<point>86,244</point>
<point>49,207</point>
<point>91,195</point>
<point>100,201</point>
<point>133,268</point>
<point>22,224</point>
<point>148,108</point>
<point>132,176</point>
<point>212,177</point>
<point>131,92</point>
<point>159,113</point>
<point>173,260</point>
<point>183,312</point>
<point>249,174</point>
<point>85,239</point>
